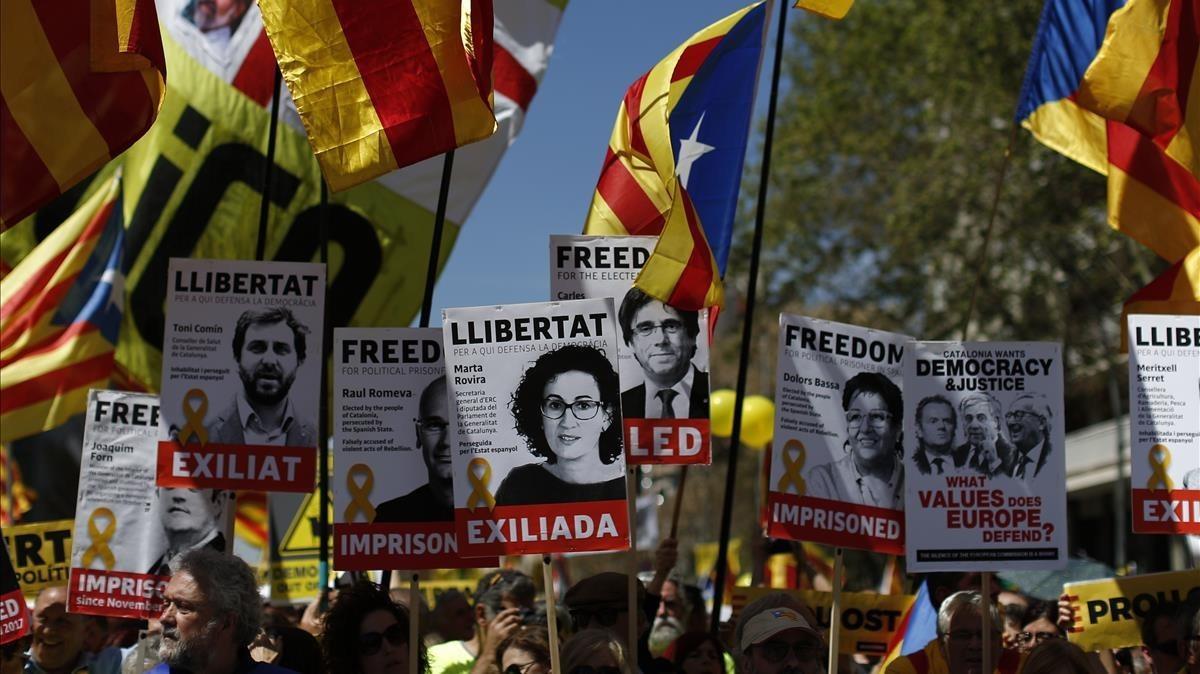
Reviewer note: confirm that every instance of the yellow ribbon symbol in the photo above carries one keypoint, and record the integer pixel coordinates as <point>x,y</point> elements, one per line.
<point>794,456</point>
<point>479,484</point>
<point>1160,459</point>
<point>194,416</point>
<point>99,547</point>
<point>359,491</point>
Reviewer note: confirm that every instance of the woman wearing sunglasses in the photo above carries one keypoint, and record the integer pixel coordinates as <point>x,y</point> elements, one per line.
<point>594,651</point>
<point>567,407</point>
<point>872,472</point>
<point>526,651</point>
<point>367,633</point>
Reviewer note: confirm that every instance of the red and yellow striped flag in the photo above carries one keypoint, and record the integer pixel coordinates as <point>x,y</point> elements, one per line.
<point>674,160</point>
<point>1175,291</point>
<point>82,80</point>
<point>1141,80</point>
<point>381,84</point>
<point>60,316</point>
<point>15,498</point>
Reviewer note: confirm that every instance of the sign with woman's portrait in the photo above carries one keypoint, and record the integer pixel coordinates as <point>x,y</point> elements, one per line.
<point>986,469</point>
<point>663,350</point>
<point>536,452</point>
<point>837,461</point>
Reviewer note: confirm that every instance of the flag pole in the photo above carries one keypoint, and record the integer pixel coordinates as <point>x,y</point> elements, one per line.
<point>551,614</point>
<point>635,609</point>
<point>747,329</point>
<point>835,611</point>
<point>414,617</point>
<point>678,500</point>
<point>260,248</point>
<point>323,420</point>
<point>435,246</point>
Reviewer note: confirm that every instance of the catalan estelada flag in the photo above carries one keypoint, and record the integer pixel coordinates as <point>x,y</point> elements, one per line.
<point>833,9</point>
<point>60,316</point>
<point>1140,82</point>
<point>674,161</point>
<point>381,84</point>
<point>82,80</point>
<point>15,498</point>
<point>918,626</point>
<point>1175,291</point>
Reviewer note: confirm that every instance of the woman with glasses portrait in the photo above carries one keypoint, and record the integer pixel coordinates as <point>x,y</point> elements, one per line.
<point>872,471</point>
<point>567,408</point>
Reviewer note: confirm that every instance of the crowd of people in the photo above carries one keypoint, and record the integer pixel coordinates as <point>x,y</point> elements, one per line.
<point>214,621</point>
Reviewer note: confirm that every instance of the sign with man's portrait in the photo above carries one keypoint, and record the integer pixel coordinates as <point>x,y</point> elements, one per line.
<point>241,375</point>
<point>1164,414</point>
<point>663,350</point>
<point>985,474</point>
<point>536,411</point>
<point>837,461</point>
<point>127,531</point>
<point>393,495</point>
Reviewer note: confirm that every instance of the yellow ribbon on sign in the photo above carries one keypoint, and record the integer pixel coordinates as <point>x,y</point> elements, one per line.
<point>194,416</point>
<point>794,455</point>
<point>1160,459</point>
<point>479,485</point>
<point>359,491</point>
<point>99,547</point>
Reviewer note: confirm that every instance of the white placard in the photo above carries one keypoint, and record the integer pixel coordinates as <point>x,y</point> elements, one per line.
<point>993,497</point>
<point>537,456</point>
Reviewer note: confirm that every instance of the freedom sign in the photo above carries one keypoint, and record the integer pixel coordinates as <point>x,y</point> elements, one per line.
<point>536,453</point>
<point>837,468</point>
<point>241,375</point>
<point>663,350</point>
<point>984,487</point>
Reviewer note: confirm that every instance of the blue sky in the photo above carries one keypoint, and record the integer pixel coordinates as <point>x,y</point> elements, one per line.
<point>545,181</point>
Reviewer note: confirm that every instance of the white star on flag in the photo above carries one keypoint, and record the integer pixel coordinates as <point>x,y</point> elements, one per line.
<point>116,291</point>
<point>690,150</point>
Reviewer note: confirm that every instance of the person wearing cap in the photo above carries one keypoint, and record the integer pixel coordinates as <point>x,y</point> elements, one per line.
<point>602,601</point>
<point>777,640</point>
<point>502,598</point>
<point>1028,420</point>
<point>958,646</point>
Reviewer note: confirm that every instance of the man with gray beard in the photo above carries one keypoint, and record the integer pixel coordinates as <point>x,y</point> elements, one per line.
<point>211,614</point>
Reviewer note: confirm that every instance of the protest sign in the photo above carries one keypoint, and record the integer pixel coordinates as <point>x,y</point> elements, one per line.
<point>393,420</point>
<point>40,553</point>
<point>663,351</point>
<point>240,391</point>
<point>294,550</point>
<point>127,532</point>
<point>1108,613</point>
<point>14,615</point>
<point>869,620</point>
<point>1164,401</point>
<point>991,495</point>
<point>537,458</point>
<point>837,469</point>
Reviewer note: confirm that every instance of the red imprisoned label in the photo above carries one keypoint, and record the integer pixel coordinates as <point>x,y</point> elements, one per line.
<point>580,526</point>
<point>668,441</point>
<point>14,617</point>
<point>847,525</point>
<point>1159,511</point>
<point>250,467</point>
<point>116,593</point>
<point>416,545</point>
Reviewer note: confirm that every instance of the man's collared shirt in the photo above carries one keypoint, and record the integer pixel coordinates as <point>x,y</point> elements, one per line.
<point>680,404</point>
<point>252,429</point>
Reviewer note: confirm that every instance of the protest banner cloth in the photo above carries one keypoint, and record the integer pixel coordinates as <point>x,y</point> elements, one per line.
<point>40,553</point>
<point>869,619</point>
<point>537,458</point>
<point>991,495</point>
<point>240,393</point>
<point>1164,401</point>
<point>663,351</point>
<point>392,491</point>
<point>14,615</point>
<point>1108,613</point>
<point>127,533</point>
<point>837,470</point>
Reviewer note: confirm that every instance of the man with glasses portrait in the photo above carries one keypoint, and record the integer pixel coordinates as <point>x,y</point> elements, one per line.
<point>989,452</point>
<point>663,340</point>
<point>1028,420</point>
<point>434,500</point>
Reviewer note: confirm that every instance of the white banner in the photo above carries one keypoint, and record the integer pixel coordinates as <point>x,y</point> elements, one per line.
<point>992,497</point>
<point>663,351</point>
<point>127,531</point>
<point>241,375</point>
<point>837,464</point>
<point>537,456</point>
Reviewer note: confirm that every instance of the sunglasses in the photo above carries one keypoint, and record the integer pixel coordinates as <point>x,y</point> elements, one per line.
<point>606,617</point>
<point>1036,637</point>
<point>369,643</point>
<point>588,669</point>
<point>777,651</point>
<point>519,669</point>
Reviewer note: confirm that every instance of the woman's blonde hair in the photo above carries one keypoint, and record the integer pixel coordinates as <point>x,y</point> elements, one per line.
<point>587,644</point>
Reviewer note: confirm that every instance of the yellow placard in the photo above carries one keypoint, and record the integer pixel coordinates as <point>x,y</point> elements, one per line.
<point>40,553</point>
<point>432,589</point>
<point>869,620</point>
<point>1108,613</point>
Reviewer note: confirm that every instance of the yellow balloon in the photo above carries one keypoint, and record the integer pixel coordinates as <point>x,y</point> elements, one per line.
<point>720,409</point>
<point>758,421</point>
